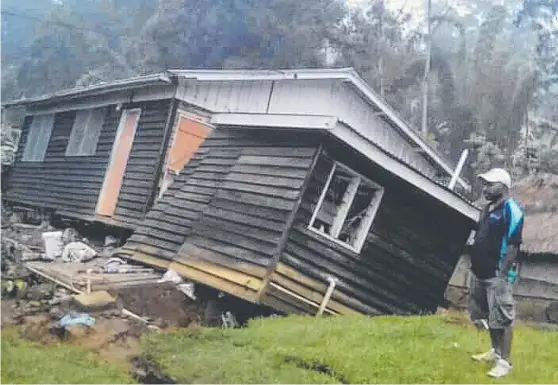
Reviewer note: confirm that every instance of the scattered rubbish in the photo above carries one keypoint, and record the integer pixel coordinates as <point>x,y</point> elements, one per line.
<point>111,241</point>
<point>53,244</point>
<point>70,235</point>
<point>229,320</point>
<point>171,276</point>
<point>118,265</point>
<point>134,316</point>
<point>188,289</point>
<point>78,252</point>
<point>77,319</point>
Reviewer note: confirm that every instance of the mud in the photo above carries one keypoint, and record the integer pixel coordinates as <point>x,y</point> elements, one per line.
<point>162,304</point>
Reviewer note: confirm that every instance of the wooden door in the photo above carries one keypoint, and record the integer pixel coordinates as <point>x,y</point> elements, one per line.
<point>108,197</point>
<point>189,135</point>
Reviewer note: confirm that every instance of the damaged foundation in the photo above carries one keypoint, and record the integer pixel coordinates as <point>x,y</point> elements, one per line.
<point>49,264</point>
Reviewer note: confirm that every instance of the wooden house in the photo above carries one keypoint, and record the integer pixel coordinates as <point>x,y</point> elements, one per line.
<point>537,289</point>
<point>300,189</point>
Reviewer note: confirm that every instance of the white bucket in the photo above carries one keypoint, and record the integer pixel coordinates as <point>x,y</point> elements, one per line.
<point>53,244</point>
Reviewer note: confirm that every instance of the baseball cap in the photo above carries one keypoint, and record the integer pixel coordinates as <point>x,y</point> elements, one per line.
<point>497,175</point>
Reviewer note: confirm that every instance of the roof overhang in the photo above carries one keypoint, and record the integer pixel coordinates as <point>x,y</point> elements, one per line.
<point>95,90</point>
<point>316,122</point>
<point>348,75</point>
<point>361,144</point>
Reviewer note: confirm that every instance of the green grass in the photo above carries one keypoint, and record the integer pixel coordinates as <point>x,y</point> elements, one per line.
<point>429,349</point>
<point>25,362</point>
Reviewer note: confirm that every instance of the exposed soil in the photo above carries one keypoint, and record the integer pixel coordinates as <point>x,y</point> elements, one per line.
<point>162,303</point>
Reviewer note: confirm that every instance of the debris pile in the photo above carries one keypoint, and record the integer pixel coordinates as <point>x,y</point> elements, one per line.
<point>65,283</point>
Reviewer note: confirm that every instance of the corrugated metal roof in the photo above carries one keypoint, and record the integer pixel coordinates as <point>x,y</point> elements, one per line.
<point>346,74</point>
<point>139,81</point>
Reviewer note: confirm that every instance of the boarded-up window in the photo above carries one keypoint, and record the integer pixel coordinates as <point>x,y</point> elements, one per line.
<point>85,132</point>
<point>189,135</point>
<point>346,207</point>
<point>38,138</point>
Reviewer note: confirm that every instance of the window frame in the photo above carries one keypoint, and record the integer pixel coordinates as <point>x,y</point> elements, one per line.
<point>369,216</point>
<point>38,154</point>
<point>77,148</point>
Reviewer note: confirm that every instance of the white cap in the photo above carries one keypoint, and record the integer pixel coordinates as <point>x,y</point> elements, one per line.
<point>497,175</point>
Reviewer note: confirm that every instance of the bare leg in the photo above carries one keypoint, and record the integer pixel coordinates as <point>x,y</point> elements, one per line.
<point>506,343</point>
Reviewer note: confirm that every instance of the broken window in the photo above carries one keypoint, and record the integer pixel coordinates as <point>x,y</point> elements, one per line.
<point>38,137</point>
<point>85,132</point>
<point>346,207</point>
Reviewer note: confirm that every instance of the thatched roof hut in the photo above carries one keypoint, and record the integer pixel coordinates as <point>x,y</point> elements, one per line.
<point>538,195</point>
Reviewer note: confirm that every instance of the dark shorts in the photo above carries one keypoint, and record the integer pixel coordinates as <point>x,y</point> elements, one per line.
<point>491,299</point>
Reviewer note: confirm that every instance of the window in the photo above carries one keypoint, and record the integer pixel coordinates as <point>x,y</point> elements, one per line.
<point>38,137</point>
<point>346,207</point>
<point>85,132</point>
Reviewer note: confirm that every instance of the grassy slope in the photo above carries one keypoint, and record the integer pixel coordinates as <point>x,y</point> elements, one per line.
<point>24,362</point>
<point>433,349</point>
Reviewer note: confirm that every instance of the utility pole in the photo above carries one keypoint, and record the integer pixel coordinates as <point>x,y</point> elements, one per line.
<point>424,125</point>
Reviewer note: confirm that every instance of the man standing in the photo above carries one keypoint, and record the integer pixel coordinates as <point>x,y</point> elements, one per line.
<point>494,268</point>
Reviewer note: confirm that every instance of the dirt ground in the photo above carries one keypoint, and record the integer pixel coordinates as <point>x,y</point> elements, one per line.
<point>114,336</point>
<point>163,304</point>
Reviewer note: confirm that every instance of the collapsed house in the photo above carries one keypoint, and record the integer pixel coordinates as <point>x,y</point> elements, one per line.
<point>277,187</point>
<point>537,289</point>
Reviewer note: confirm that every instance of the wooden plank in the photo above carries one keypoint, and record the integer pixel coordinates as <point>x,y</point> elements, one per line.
<point>241,248</point>
<point>190,253</point>
<point>215,281</point>
<point>312,295</point>
<point>233,205</point>
<point>353,303</point>
<point>255,199</point>
<point>221,227</point>
<point>241,218</point>
<point>264,180</point>
<point>366,291</point>
<point>148,258</point>
<point>270,161</point>
<point>311,247</point>
<point>280,305</point>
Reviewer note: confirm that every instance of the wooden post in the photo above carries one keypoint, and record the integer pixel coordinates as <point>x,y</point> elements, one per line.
<point>327,297</point>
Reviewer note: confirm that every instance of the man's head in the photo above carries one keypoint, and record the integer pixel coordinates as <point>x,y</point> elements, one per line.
<point>496,184</point>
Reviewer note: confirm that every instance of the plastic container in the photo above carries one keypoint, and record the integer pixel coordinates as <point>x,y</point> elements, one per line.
<point>53,244</point>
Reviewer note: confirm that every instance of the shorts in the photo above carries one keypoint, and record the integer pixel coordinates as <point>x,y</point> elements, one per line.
<point>491,299</point>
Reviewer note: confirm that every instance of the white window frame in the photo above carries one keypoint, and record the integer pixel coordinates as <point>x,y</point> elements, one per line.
<point>86,132</point>
<point>342,215</point>
<point>38,138</point>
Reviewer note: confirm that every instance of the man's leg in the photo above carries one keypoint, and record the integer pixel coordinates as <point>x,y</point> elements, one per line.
<point>478,311</point>
<point>500,320</point>
<point>496,339</point>
<point>506,342</point>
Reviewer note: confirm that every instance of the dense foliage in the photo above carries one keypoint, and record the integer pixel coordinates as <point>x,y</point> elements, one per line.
<point>492,78</point>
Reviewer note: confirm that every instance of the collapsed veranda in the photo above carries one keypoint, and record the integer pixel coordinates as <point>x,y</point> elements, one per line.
<point>267,185</point>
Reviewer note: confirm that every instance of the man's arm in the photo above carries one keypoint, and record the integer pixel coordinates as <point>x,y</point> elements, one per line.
<point>512,253</point>
<point>514,222</point>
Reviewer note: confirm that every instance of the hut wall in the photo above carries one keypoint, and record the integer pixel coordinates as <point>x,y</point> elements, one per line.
<point>72,184</point>
<point>407,259</point>
<point>222,220</point>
